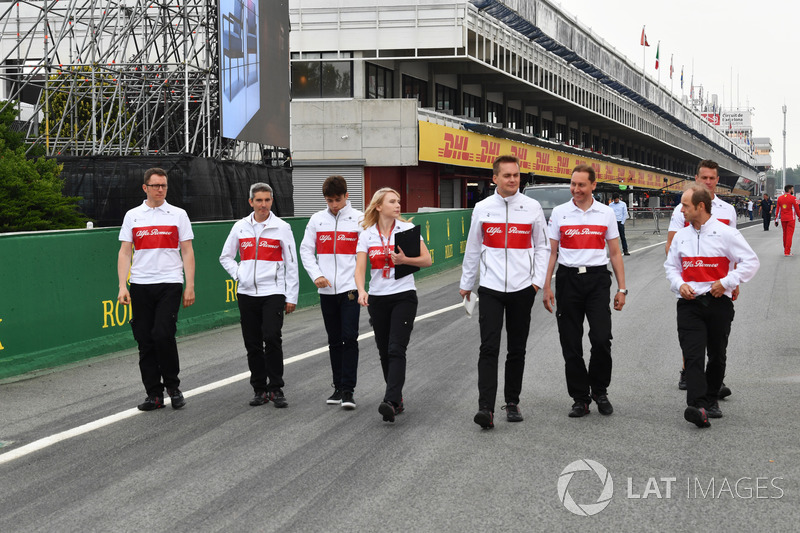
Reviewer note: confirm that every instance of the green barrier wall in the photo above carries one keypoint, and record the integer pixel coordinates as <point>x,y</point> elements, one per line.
<point>58,290</point>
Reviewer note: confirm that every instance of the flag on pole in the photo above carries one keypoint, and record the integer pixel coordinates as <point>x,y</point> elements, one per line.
<point>658,48</point>
<point>670,65</point>
<point>643,40</point>
<point>681,77</point>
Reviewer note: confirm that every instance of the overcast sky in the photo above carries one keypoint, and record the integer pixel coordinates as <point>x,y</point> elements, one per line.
<point>759,41</point>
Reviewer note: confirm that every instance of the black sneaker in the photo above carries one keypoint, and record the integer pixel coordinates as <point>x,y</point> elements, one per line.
<point>347,401</point>
<point>388,411</point>
<point>724,392</point>
<point>278,399</point>
<point>698,417</point>
<point>260,398</point>
<point>151,403</point>
<point>714,411</point>
<point>335,398</point>
<point>513,413</point>
<point>176,398</point>
<point>603,405</point>
<point>682,380</point>
<point>579,409</point>
<point>484,418</point>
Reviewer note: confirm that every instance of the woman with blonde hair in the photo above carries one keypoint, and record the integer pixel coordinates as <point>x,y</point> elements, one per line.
<point>391,303</point>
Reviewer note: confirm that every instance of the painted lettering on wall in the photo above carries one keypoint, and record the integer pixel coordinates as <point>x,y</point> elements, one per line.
<point>116,314</point>
<point>231,287</point>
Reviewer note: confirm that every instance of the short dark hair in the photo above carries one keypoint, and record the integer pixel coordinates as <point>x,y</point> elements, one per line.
<point>334,186</point>
<point>260,187</point>
<point>154,171</point>
<point>707,163</point>
<point>701,194</point>
<point>615,196</point>
<point>788,188</point>
<point>585,168</point>
<point>503,159</point>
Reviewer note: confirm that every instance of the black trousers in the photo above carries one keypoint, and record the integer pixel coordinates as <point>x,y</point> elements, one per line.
<point>704,325</point>
<point>392,318</point>
<point>340,313</point>
<point>262,320</point>
<point>623,241</point>
<point>580,296</point>
<point>517,309</point>
<point>154,326</point>
<point>766,222</point>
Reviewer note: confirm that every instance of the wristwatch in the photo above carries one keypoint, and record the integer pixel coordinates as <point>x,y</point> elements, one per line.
<point>623,291</point>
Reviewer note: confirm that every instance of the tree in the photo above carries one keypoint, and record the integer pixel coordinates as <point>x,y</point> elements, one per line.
<point>30,188</point>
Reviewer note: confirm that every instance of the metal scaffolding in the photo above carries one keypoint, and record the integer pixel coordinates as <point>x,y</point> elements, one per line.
<point>107,77</point>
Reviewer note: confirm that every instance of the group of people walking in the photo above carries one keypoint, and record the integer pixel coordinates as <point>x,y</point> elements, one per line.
<point>511,252</point>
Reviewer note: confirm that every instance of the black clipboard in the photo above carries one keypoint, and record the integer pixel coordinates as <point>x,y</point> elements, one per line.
<point>408,240</point>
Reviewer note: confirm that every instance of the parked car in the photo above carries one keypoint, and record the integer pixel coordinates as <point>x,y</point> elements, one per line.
<point>549,196</point>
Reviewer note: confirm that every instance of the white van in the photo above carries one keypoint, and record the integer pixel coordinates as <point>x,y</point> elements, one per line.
<point>549,196</point>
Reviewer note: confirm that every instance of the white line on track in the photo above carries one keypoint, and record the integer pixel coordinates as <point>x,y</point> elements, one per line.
<point>108,420</point>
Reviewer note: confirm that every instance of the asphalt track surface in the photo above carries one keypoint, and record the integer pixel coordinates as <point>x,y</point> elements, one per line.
<point>219,464</point>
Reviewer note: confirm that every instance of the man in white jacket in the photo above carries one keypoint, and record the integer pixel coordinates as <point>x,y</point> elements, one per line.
<point>707,261</point>
<point>267,286</point>
<point>507,243</point>
<point>328,252</point>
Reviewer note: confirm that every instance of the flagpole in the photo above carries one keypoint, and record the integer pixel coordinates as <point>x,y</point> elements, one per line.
<point>658,66</point>
<point>644,57</point>
<point>671,80</point>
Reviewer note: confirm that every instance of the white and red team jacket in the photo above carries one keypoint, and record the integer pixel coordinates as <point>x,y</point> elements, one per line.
<point>582,235</point>
<point>371,243</point>
<point>334,239</point>
<point>267,258</point>
<point>156,234</point>
<point>700,258</point>
<point>507,243</point>
<point>720,209</point>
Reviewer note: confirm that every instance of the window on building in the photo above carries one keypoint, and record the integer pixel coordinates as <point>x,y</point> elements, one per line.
<point>514,119</point>
<point>380,82</point>
<point>415,88</point>
<point>318,78</point>
<point>547,128</point>
<point>531,124</point>
<point>561,132</point>
<point>573,136</point>
<point>494,112</point>
<point>445,98</point>
<point>472,106</point>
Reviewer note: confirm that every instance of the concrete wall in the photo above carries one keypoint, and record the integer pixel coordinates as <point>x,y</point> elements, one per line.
<point>381,132</point>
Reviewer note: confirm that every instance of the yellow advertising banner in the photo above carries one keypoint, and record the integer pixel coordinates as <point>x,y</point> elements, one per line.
<point>441,144</point>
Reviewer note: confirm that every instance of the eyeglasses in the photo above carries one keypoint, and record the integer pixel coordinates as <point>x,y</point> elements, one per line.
<point>157,185</point>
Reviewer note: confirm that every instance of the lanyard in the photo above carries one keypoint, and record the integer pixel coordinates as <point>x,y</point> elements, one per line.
<point>386,266</point>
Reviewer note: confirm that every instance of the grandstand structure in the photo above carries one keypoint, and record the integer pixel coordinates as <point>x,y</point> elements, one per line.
<point>118,78</point>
